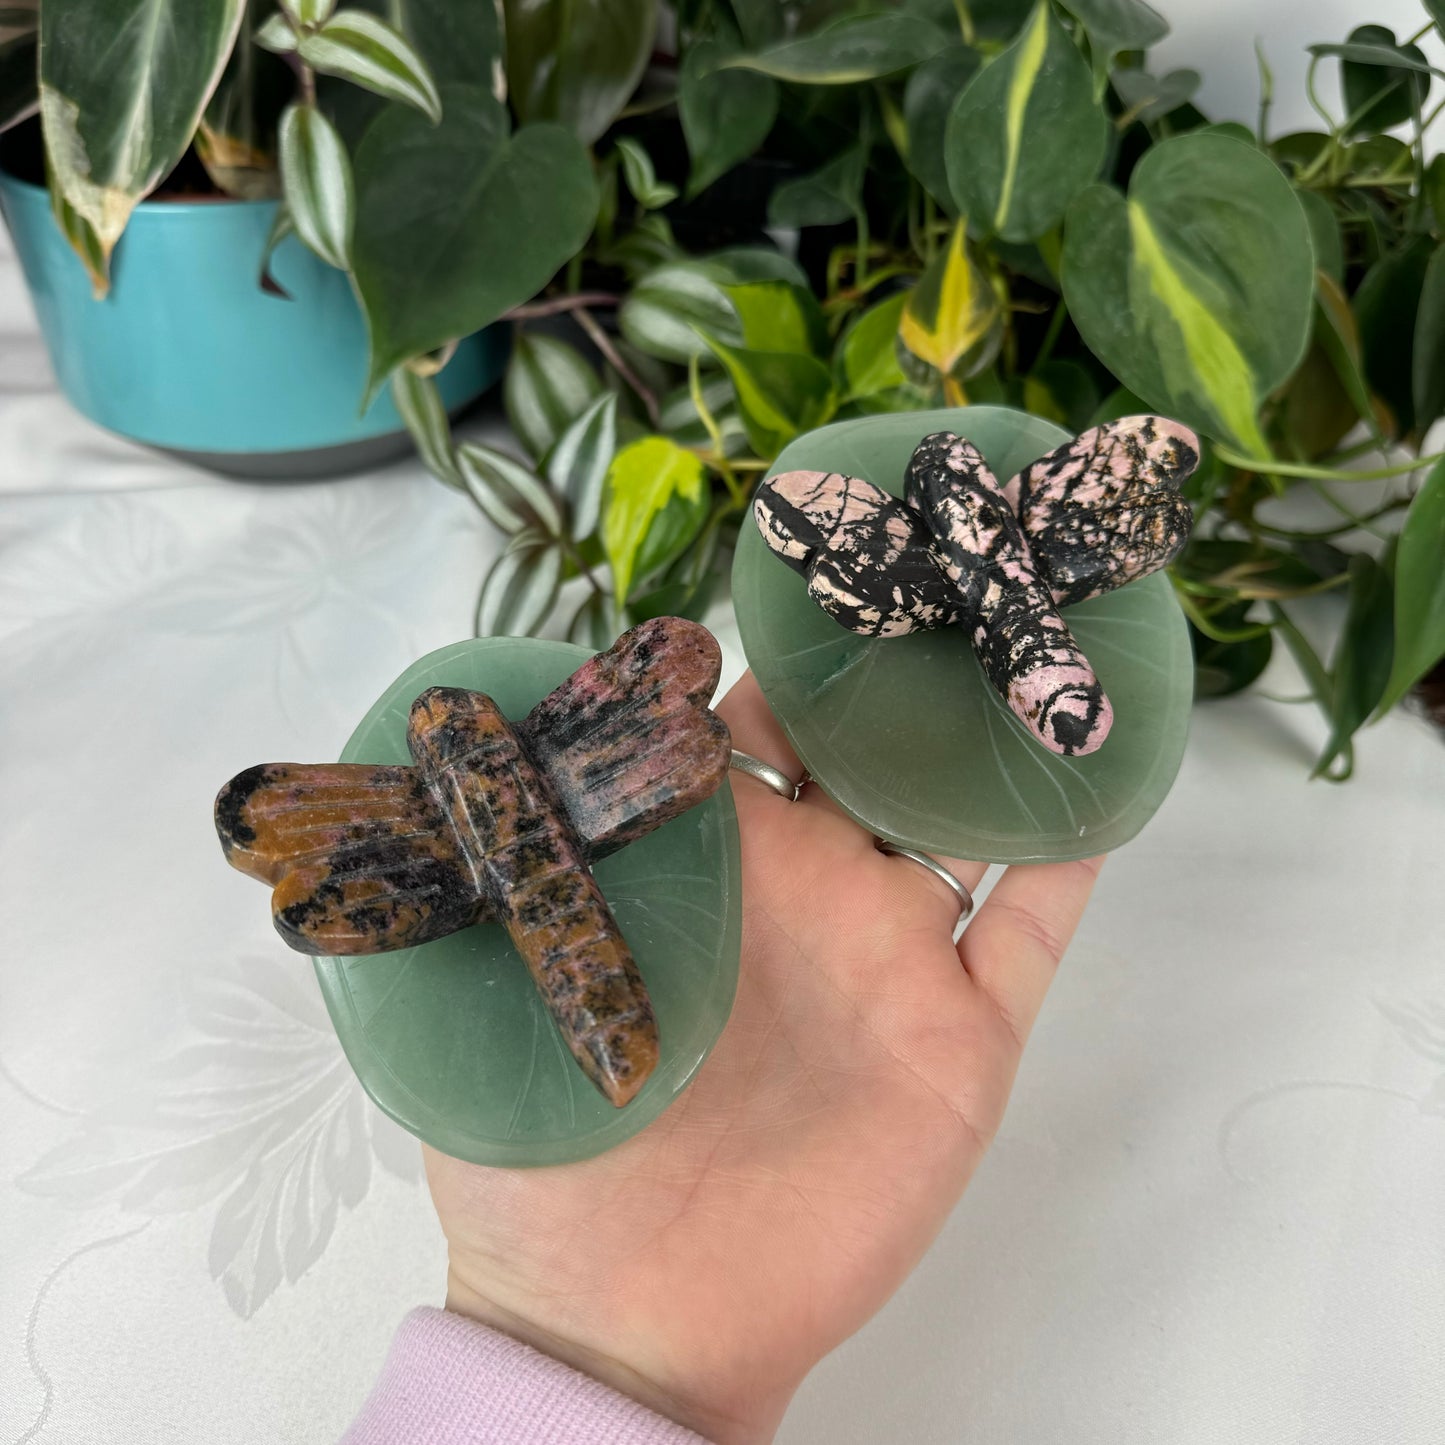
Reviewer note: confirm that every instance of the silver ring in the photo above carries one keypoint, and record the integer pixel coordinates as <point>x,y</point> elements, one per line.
<point>965,898</point>
<point>766,773</point>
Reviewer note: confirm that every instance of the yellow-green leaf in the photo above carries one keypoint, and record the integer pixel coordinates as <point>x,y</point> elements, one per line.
<point>643,478</point>
<point>1027,134</point>
<point>779,316</point>
<point>952,316</point>
<point>780,394</point>
<point>868,355</point>
<point>1197,291</point>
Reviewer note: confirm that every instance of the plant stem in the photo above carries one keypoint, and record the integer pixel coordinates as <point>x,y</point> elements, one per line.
<point>1321,534</point>
<point>307,78</point>
<point>1051,336</point>
<point>1201,620</point>
<point>720,463</point>
<point>1266,92</point>
<point>1314,99</point>
<point>583,569</point>
<point>560,304</point>
<point>603,343</point>
<point>1267,468</point>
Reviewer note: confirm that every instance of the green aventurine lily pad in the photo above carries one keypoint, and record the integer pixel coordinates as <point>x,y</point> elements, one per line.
<point>452,1039</point>
<point>906,733</point>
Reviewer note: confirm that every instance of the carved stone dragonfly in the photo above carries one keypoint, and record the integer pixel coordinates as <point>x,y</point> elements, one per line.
<point>1100,511</point>
<point>499,822</point>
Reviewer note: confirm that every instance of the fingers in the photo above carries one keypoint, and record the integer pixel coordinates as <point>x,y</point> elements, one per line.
<point>1012,947</point>
<point>756,731</point>
<point>929,895</point>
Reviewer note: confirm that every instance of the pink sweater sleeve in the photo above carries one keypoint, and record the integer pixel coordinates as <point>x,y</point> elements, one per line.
<point>450,1381</point>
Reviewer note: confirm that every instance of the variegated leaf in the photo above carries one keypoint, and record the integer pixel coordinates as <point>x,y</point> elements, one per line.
<point>421,408</point>
<point>316,182</point>
<point>1196,291</point>
<point>548,386</point>
<point>511,496</point>
<point>123,84</point>
<point>577,465</point>
<point>521,589</point>
<point>365,50</point>
<point>1026,136</point>
<point>952,322</point>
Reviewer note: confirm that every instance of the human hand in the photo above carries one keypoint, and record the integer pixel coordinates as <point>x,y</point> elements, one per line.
<point>707,1264</point>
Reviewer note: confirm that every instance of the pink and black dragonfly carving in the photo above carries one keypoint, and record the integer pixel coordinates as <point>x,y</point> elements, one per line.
<point>1102,510</point>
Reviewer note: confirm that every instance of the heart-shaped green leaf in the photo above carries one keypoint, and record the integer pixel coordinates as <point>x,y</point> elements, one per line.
<point>1196,291</point>
<point>906,732</point>
<point>644,479</point>
<point>453,1039</point>
<point>780,394</point>
<point>548,386</point>
<point>779,316</point>
<point>928,98</point>
<point>1419,590</point>
<point>952,320</point>
<point>832,193</point>
<point>1115,25</point>
<point>1388,307</point>
<point>856,48</point>
<point>725,114</point>
<point>123,84</point>
<point>868,354</point>
<point>1152,97</point>
<point>458,222</point>
<point>576,61</point>
<point>1026,136</point>
<point>1380,94</point>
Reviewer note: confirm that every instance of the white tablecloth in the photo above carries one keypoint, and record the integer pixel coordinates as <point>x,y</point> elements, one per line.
<point>1214,1213</point>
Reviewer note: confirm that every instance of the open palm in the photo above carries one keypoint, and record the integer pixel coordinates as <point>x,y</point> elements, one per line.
<point>708,1263</point>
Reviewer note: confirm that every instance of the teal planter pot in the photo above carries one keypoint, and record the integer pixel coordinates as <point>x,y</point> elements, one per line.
<point>188,354</point>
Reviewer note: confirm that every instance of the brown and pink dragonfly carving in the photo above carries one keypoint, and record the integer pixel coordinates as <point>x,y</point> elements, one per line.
<point>497,821</point>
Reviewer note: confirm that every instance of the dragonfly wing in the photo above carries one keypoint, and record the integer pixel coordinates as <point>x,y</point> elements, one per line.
<point>628,742</point>
<point>1025,648</point>
<point>1104,509</point>
<point>864,553</point>
<point>359,857</point>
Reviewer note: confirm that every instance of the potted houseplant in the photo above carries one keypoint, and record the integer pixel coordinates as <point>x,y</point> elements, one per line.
<point>1001,203</point>
<point>165,155</point>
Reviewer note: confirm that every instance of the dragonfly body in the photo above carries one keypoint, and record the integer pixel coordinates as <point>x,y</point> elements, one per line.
<point>500,822</point>
<point>1098,512</point>
<point>1024,646</point>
